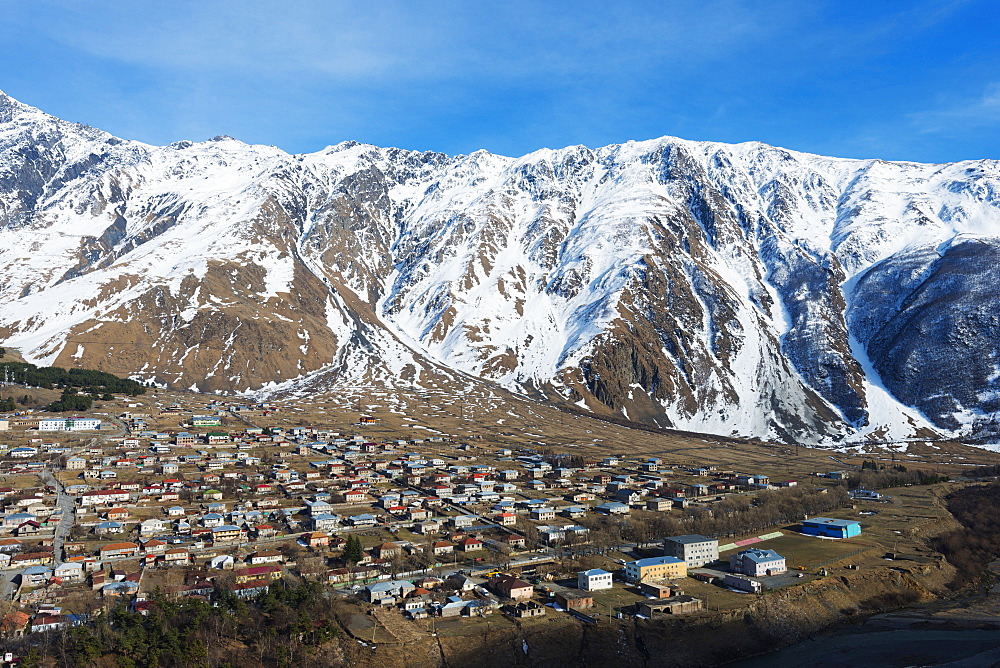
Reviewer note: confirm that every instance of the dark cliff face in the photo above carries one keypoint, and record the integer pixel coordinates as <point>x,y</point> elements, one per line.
<point>930,322</point>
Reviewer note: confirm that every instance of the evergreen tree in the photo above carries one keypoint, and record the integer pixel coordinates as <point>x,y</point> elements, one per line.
<point>352,550</point>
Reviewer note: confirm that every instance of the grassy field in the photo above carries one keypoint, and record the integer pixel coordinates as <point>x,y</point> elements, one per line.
<point>809,551</point>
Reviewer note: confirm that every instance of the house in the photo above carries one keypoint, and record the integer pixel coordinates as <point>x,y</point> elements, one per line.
<point>428,527</point>
<point>697,489</point>
<point>76,464</point>
<point>573,512</point>
<point>184,439</point>
<point>153,546</point>
<point>14,623</point>
<point>514,540</point>
<point>551,534</point>
<point>119,551</point>
<point>655,567</point>
<point>510,587</point>
<point>757,562</point>
<point>222,562</point>
<point>612,508</point>
<point>442,547</point>
<point>104,496</point>
<point>831,528</point>
<point>316,539</point>
<point>355,496</point>
<point>869,495</point>
<point>36,575</point>
<point>265,531</point>
<point>70,572</point>
<point>417,514</point>
<point>506,519</point>
<point>694,549</point>
<point>264,557</point>
<point>593,580</point>
<point>388,551</point>
<point>226,532</point>
<point>29,528</point>
<point>151,526</point>
<point>30,559</point>
<point>543,514</point>
<point>470,544</point>
<point>315,508</point>
<point>14,520</point>
<point>105,528</point>
<point>117,514</point>
<point>628,496</point>
<point>249,590</point>
<point>381,592</point>
<point>363,520</point>
<point>265,572</point>
<point>324,522</point>
<point>659,505</point>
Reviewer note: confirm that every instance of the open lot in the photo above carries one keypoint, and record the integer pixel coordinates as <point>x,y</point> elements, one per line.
<point>810,552</point>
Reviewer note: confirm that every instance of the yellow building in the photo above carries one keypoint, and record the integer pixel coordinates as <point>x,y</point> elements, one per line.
<point>656,568</point>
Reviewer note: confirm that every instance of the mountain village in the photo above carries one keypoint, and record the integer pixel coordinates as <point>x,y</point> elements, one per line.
<point>194,497</point>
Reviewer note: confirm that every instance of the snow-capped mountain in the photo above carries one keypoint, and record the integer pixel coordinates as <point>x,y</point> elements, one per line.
<point>720,288</point>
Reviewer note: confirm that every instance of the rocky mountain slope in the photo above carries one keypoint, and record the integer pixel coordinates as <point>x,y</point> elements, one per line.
<point>722,288</point>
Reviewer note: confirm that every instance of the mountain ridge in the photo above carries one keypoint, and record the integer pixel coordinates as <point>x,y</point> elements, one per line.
<point>698,285</point>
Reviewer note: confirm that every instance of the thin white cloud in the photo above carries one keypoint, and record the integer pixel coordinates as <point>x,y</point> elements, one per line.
<point>393,40</point>
<point>958,116</point>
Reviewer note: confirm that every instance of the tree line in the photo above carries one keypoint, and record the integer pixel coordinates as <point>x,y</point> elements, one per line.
<point>52,377</point>
<point>877,476</point>
<point>970,548</point>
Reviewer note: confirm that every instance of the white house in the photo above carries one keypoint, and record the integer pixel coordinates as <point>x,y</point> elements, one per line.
<point>151,526</point>
<point>593,580</point>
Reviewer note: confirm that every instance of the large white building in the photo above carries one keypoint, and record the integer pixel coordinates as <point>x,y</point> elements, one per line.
<point>695,550</point>
<point>69,424</point>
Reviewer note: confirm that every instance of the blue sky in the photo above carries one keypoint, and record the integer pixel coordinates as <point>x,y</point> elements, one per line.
<point>909,80</point>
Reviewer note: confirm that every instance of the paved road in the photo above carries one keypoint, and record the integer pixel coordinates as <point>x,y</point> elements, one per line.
<point>65,503</point>
<point>67,508</point>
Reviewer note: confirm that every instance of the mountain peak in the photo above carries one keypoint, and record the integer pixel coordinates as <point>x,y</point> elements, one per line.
<point>10,107</point>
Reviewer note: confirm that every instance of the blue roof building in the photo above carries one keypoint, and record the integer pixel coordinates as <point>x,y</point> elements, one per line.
<point>831,528</point>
